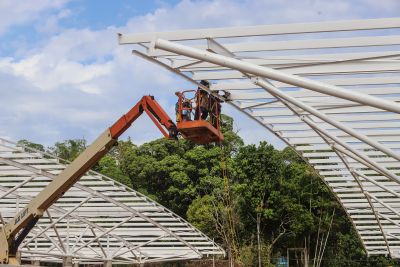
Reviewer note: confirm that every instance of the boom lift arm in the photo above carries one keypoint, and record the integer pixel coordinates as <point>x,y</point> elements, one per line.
<point>14,231</point>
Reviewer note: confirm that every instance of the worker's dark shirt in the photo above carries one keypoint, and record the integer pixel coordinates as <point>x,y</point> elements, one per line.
<point>204,101</point>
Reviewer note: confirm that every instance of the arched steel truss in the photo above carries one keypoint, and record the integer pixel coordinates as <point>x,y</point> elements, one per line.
<point>330,90</point>
<point>97,220</point>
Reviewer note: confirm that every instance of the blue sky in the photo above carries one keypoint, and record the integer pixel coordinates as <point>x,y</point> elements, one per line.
<point>63,74</point>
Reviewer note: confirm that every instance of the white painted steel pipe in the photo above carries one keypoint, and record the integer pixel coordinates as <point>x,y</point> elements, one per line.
<point>276,29</point>
<point>104,233</point>
<point>390,220</point>
<point>275,91</point>
<point>59,219</point>
<point>361,158</point>
<point>357,179</point>
<point>357,154</point>
<point>377,184</point>
<point>276,75</point>
<point>383,204</point>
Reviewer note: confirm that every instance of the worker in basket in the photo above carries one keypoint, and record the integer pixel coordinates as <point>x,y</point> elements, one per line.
<point>187,110</point>
<point>214,109</point>
<point>202,98</point>
<point>204,128</point>
<point>183,113</point>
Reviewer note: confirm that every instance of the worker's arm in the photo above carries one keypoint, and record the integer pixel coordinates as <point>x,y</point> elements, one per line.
<point>17,228</point>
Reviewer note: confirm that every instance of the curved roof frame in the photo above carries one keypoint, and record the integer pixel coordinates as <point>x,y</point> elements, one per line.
<point>330,90</point>
<point>97,220</point>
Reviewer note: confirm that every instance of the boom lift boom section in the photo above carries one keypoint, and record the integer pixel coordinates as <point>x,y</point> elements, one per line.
<point>14,231</point>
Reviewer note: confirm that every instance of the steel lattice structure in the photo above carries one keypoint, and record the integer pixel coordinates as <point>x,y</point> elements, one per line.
<point>97,220</point>
<point>329,90</point>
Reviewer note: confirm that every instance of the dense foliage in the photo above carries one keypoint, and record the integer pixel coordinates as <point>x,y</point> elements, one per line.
<point>256,201</point>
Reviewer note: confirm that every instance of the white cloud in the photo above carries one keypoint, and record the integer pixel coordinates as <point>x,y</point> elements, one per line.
<point>392,6</point>
<point>51,23</point>
<point>14,13</point>
<point>201,14</point>
<point>48,74</point>
<point>79,81</point>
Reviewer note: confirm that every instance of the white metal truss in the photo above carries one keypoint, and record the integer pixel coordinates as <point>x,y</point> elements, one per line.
<point>330,90</point>
<point>97,220</point>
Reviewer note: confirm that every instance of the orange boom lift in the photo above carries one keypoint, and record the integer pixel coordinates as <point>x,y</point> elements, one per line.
<point>15,230</point>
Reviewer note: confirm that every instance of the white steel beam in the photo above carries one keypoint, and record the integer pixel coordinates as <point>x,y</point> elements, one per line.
<point>301,44</point>
<point>277,75</point>
<point>55,230</point>
<point>367,197</point>
<point>380,80</point>
<point>275,91</point>
<point>332,26</point>
<point>137,246</point>
<point>356,155</point>
<point>104,233</point>
<point>384,204</point>
<point>387,189</point>
<point>58,220</point>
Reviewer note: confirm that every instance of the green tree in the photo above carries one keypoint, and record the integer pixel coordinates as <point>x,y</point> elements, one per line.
<point>29,144</point>
<point>68,149</point>
<point>109,167</point>
<point>201,213</point>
